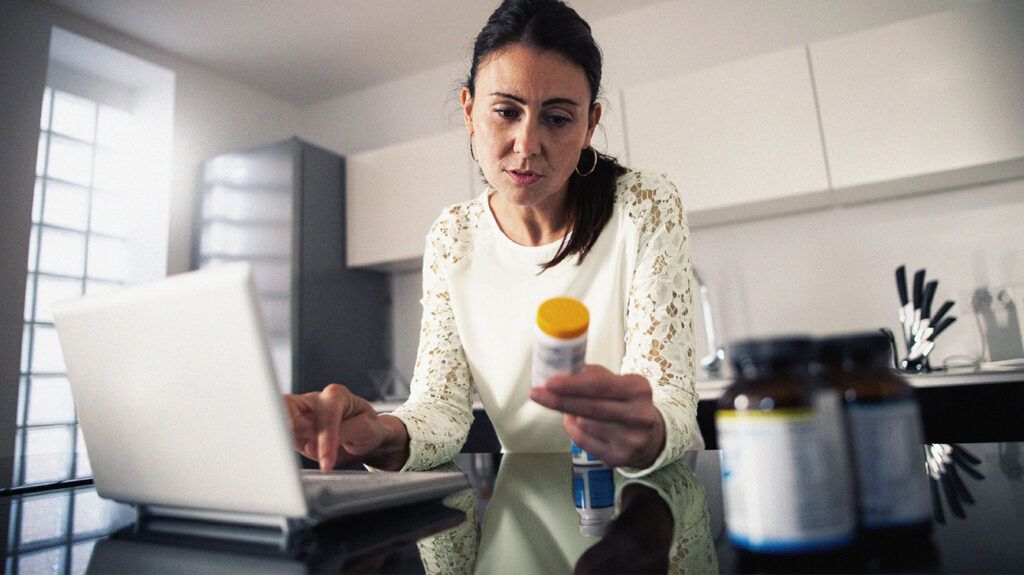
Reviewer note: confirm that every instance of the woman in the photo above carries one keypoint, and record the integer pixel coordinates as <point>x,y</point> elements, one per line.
<point>558,218</point>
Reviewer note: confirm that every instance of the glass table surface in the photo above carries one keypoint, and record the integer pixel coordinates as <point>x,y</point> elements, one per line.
<point>520,516</point>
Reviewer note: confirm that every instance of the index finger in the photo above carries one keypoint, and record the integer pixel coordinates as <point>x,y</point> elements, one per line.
<point>331,405</point>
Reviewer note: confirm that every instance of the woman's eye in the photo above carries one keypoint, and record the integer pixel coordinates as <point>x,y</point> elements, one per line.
<point>507,113</point>
<point>559,121</point>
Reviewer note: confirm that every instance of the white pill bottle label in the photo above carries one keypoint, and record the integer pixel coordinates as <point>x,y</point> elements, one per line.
<point>554,356</point>
<point>786,487</point>
<point>892,483</point>
<point>560,348</point>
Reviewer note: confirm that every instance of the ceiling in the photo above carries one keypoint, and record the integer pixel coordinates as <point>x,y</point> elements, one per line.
<point>310,50</point>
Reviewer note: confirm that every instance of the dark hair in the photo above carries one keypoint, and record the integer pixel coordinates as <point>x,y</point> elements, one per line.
<point>550,25</point>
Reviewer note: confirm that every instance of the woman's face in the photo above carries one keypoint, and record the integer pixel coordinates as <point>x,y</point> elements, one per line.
<point>528,121</point>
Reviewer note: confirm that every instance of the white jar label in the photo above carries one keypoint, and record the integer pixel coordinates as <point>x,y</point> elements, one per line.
<point>786,488</point>
<point>893,483</point>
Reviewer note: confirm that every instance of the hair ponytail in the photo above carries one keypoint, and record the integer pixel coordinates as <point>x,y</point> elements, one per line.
<point>591,199</point>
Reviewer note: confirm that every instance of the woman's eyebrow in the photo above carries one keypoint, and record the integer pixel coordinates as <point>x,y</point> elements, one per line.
<point>549,102</point>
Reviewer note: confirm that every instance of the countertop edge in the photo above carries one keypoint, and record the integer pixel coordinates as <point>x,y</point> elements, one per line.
<point>712,389</point>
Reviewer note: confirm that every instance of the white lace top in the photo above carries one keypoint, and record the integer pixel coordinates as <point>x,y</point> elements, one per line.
<point>480,296</point>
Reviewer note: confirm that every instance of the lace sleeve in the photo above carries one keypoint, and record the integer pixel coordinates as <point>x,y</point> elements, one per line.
<point>439,410</point>
<point>659,313</point>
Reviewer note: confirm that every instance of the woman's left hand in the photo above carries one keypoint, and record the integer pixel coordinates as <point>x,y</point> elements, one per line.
<point>610,416</point>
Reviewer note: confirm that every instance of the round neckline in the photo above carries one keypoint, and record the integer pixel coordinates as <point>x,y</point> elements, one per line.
<point>544,248</point>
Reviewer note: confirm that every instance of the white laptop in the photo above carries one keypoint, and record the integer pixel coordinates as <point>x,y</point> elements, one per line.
<point>181,414</point>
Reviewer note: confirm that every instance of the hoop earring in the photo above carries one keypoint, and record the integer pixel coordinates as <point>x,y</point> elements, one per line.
<point>592,168</point>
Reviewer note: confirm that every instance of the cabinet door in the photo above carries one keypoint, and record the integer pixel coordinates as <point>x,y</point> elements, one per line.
<point>736,139</point>
<point>394,194</point>
<point>930,95</point>
<point>245,211</point>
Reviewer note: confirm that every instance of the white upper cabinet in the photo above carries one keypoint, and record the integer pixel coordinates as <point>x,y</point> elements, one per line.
<point>739,140</point>
<point>930,102</point>
<point>394,194</point>
<point>921,104</point>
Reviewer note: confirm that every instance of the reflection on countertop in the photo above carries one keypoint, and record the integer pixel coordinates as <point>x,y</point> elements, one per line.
<point>520,517</point>
<point>531,522</point>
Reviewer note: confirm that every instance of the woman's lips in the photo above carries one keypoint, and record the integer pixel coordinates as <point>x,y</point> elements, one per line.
<point>523,177</point>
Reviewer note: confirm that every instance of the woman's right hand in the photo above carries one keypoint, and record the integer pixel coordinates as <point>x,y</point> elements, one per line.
<point>335,426</point>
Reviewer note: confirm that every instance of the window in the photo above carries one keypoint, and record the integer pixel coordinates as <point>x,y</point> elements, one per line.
<point>99,221</point>
<point>78,246</point>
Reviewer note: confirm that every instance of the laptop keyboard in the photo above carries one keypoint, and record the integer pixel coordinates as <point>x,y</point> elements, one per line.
<point>328,489</point>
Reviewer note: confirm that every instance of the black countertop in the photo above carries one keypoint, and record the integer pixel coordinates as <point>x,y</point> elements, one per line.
<point>519,517</point>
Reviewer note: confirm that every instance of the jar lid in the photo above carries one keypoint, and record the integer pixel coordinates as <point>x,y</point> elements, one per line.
<point>563,317</point>
<point>773,351</point>
<point>855,348</point>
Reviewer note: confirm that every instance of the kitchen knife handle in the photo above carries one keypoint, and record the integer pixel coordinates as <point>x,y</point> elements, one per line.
<point>939,315</point>
<point>952,497</point>
<point>962,492</point>
<point>929,296</point>
<point>918,288</point>
<point>937,512</point>
<point>901,284</point>
<point>942,327</point>
<point>962,452</point>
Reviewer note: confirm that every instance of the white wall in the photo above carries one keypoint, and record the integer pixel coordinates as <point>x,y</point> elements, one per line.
<point>212,114</point>
<point>423,104</point>
<point>816,272</point>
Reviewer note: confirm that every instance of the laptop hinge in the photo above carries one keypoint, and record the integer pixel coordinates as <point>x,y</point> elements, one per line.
<point>264,530</point>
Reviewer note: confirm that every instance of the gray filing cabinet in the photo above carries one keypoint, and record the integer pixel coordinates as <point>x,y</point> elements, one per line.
<point>282,208</point>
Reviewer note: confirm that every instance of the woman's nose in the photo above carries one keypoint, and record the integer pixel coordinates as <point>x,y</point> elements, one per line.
<point>527,138</point>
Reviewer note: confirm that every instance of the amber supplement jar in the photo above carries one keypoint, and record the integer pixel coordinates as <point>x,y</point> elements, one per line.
<point>886,433</point>
<point>786,477</point>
